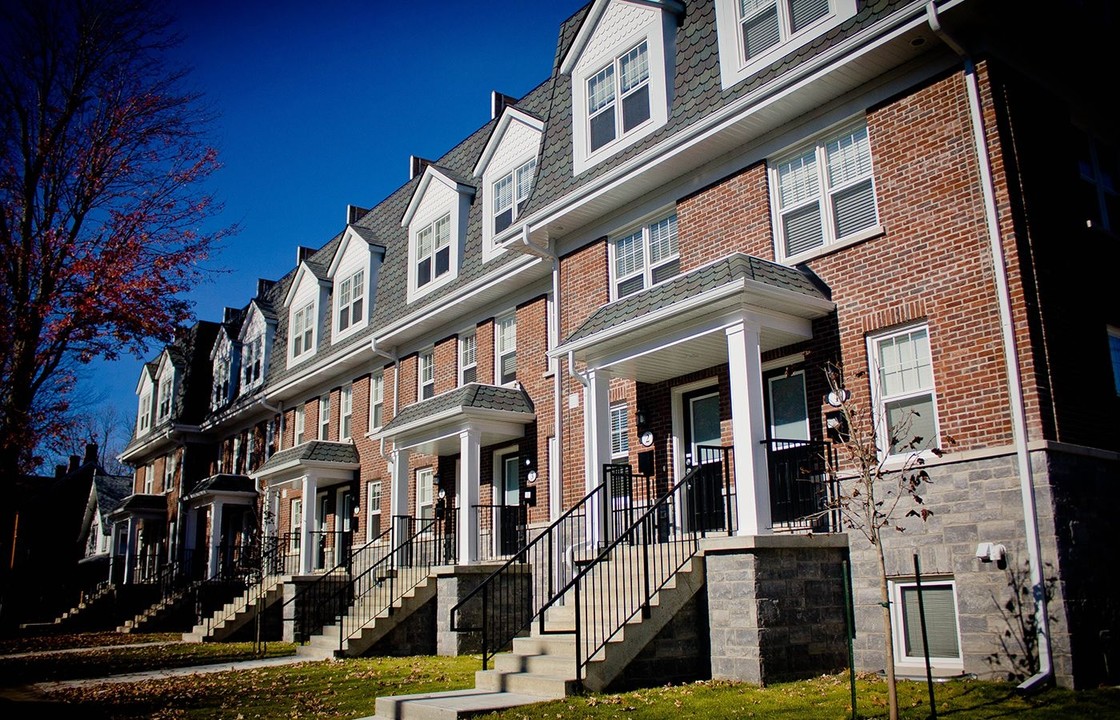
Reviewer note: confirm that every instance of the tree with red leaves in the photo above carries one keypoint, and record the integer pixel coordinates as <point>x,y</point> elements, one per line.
<point>103,157</point>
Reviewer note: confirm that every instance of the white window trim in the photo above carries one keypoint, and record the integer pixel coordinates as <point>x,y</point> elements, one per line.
<point>295,521</point>
<point>425,477</point>
<point>734,67</point>
<point>146,412</point>
<point>309,348</point>
<point>463,366</point>
<point>508,170</point>
<point>323,431</point>
<point>830,242</point>
<point>165,394</point>
<point>373,509</point>
<point>647,269</point>
<point>422,213</point>
<point>908,662</point>
<point>363,320</point>
<point>882,428</point>
<point>346,412</point>
<point>168,473</point>
<point>499,350</point>
<point>415,290</point>
<point>376,397</point>
<point>299,425</point>
<point>622,409</point>
<point>658,33</point>
<point>150,478</point>
<point>247,381</point>
<point>421,382</point>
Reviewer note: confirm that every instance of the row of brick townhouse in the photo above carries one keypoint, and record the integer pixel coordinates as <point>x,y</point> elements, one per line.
<point>614,302</point>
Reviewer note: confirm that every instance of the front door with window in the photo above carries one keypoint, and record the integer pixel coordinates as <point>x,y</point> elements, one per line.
<point>702,441</point>
<point>510,523</point>
<point>793,461</point>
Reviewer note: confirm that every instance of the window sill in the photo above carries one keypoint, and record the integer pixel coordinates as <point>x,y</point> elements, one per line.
<point>824,250</point>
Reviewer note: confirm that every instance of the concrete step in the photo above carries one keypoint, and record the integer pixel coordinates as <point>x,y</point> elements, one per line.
<point>449,705</point>
<point>562,666</point>
<point>524,683</point>
<point>561,645</point>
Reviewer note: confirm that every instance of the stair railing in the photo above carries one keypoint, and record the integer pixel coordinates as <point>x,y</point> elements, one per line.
<point>622,580</point>
<point>426,544</point>
<point>503,605</point>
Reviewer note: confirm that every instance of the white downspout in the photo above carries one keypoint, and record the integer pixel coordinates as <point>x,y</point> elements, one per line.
<point>556,472</point>
<point>1011,360</point>
<point>396,384</point>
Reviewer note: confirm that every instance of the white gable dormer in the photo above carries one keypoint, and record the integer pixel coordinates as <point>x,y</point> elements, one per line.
<point>305,302</point>
<point>165,382</point>
<point>353,272</point>
<point>436,219</point>
<point>255,340</point>
<point>225,361</point>
<point>146,409</point>
<point>507,168</point>
<point>622,66</point>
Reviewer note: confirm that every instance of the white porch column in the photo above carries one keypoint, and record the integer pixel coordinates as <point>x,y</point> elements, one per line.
<point>398,498</point>
<point>597,420</point>
<point>306,552</point>
<point>132,550</point>
<point>748,421</point>
<point>215,537</point>
<point>466,494</point>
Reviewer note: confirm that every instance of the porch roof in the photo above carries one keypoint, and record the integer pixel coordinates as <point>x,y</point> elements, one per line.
<point>498,412</point>
<point>319,452</point>
<point>732,269</point>
<point>224,483</point>
<point>141,504</point>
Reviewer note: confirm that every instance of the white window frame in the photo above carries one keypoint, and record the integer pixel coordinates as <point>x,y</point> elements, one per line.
<point>352,307</point>
<point>295,510</point>
<point>505,344</point>
<point>150,478</point>
<point>898,625</point>
<point>166,398</point>
<point>324,416</point>
<point>425,374</point>
<point>221,390</point>
<point>520,183</point>
<point>303,331</point>
<point>735,66</point>
<point>881,399</point>
<point>373,509</point>
<point>430,233</point>
<point>425,492</point>
<point>252,364</point>
<point>649,268</point>
<point>468,357</point>
<point>345,412</point>
<point>823,194</point>
<point>144,423</point>
<point>299,425</point>
<point>620,430</point>
<point>168,473</point>
<point>1114,355</point>
<point>376,400</point>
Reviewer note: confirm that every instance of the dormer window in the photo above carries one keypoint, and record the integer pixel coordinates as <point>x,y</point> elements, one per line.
<point>221,383</point>
<point>351,300</point>
<point>165,399</point>
<point>755,33</point>
<point>303,328</point>
<point>616,108</point>
<point>252,361</point>
<point>144,417</point>
<point>510,193</point>
<point>433,251</point>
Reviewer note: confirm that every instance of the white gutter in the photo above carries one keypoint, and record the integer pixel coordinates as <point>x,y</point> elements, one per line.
<point>1011,360</point>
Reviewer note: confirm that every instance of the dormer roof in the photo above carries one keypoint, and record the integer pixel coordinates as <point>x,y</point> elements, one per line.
<point>448,177</point>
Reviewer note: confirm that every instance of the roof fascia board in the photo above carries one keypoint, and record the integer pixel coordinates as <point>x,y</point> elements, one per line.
<point>456,417</point>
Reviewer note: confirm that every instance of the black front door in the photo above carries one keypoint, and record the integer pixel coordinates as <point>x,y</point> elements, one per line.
<point>702,440</point>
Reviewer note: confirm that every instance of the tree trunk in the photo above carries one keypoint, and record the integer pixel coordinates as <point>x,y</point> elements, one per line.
<point>888,655</point>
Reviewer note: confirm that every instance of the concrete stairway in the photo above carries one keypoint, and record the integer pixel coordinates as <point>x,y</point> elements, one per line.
<point>542,667</point>
<point>157,616</point>
<point>377,622</point>
<point>234,615</point>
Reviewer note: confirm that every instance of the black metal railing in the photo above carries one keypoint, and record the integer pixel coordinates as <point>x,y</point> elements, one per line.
<point>502,530</point>
<point>802,489</point>
<point>622,580</point>
<point>280,555</point>
<point>711,495</point>
<point>328,547</point>
<point>504,604</point>
<point>426,543</point>
<point>146,569</point>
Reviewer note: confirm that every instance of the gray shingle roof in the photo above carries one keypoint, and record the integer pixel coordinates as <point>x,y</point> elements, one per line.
<point>734,267</point>
<point>142,504</point>
<point>472,395</point>
<point>224,483</point>
<point>320,451</point>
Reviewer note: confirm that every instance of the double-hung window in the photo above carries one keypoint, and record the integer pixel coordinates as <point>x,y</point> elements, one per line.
<point>296,523</point>
<point>433,251</point>
<point>646,256</point>
<point>168,473</point>
<point>373,503</point>
<point>165,398</point>
<point>150,479</point>
<point>351,296</point>
<point>620,431</point>
<point>298,424</point>
<point>824,193</point>
<point>510,193</point>
<point>468,353</point>
<point>424,481</point>
<point>376,400</point>
<point>505,348</point>
<point>345,412</point>
<point>618,97</point>
<point>302,329</point>
<point>144,420</point>
<point>221,383</point>
<point>324,416</point>
<point>767,23</point>
<point>427,374</point>
<point>252,354</point>
<point>904,392</point>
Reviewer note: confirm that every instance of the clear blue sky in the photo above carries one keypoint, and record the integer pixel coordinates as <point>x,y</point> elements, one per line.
<point>320,105</point>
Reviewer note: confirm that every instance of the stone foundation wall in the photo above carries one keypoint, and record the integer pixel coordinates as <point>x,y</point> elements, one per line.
<point>679,653</point>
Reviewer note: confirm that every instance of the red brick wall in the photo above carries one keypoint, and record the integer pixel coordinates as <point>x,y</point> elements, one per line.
<point>730,216</point>
<point>447,364</point>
